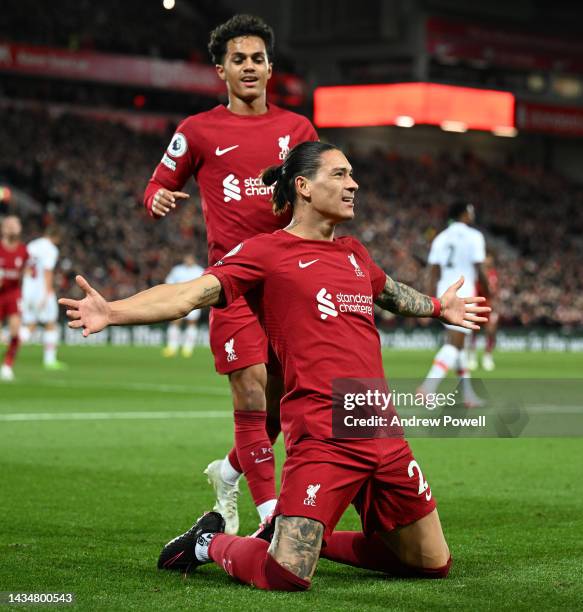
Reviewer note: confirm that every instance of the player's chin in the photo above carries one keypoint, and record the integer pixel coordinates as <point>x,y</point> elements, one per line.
<point>347,211</point>
<point>248,94</point>
<point>344,215</point>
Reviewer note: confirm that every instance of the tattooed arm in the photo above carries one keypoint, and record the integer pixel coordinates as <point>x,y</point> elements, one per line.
<point>296,544</point>
<point>160,303</point>
<point>404,300</point>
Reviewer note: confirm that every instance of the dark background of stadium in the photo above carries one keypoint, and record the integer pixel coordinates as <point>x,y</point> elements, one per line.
<point>62,164</point>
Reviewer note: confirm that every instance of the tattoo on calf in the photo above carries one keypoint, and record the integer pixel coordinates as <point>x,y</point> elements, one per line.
<point>296,544</point>
<point>404,300</point>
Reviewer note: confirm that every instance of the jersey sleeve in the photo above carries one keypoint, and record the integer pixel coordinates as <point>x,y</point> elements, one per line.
<point>171,278</point>
<point>243,268</point>
<point>307,132</point>
<point>49,259</point>
<point>434,258</point>
<point>479,250</point>
<point>180,160</point>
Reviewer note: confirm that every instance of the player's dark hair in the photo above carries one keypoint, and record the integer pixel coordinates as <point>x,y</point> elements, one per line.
<point>303,160</point>
<point>457,209</point>
<point>239,25</point>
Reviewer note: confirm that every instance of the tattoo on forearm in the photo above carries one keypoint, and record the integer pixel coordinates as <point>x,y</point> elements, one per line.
<point>296,544</point>
<point>404,300</point>
<point>209,297</point>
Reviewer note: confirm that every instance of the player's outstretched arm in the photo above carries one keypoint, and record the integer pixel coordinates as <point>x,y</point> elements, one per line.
<point>161,303</point>
<point>406,301</point>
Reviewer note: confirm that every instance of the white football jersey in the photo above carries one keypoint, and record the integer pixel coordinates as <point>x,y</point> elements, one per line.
<point>456,251</point>
<point>183,273</point>
<point>43,255</point>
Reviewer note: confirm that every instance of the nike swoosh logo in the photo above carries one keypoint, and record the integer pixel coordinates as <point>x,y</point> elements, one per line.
<point>301,264</point>
<point>219,151</point>
<point>263,460</point>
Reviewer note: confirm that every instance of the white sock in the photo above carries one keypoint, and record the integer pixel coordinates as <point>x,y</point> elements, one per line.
<point>173,337</point>
<point>228,473</point>
<point>266,508</point>
<point>201,549</point>
<point>189,338</point>
<point>50,341</point>
<point>464,374</point>
<point>445,359</point>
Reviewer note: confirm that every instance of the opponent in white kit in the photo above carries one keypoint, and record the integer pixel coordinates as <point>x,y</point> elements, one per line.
<point>186,271</point>
<point>39,303</point>
<point>457,251</point>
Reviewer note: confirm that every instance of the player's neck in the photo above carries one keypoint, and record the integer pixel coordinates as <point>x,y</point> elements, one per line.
<point>9,244</point>
<point>310,229</point>
<point>257,106</point>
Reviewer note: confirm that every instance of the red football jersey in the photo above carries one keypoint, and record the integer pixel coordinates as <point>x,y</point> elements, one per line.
<point>315,299</point>
<point>225,153</point>
<point>12,263</point>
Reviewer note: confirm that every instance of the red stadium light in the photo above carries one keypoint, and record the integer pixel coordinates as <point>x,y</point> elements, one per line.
<point>428,103</point>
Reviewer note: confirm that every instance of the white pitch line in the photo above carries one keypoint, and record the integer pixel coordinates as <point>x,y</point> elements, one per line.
<point>110,416</point>
<point>198,390</point>
<point>199,414</point>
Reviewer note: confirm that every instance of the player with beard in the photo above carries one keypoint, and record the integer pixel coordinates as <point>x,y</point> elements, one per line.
<point>292,278</point>
<point>225,150</point>
<point>13,259</point>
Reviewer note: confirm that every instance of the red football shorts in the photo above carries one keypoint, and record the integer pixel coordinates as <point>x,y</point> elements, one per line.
<point>9,304</point>
<point>381,478</point>
<point>238,340</point>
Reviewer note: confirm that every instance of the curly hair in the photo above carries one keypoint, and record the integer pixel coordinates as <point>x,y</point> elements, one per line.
<point>239,25</point>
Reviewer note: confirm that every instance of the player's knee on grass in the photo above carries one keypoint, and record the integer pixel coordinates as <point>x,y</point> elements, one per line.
<point>296,544</point>
<point>248,388</point>
<point>421,546</point>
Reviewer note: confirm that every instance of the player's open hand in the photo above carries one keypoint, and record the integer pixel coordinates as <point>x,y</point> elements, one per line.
<point>462,311</point>
<point>91,313</point>
<point>164,201</point>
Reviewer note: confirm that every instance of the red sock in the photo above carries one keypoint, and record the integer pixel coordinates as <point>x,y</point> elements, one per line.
<point>370,552</point>
<point>247,560</point>
<point>490,343</point>
<point>232,456</point>
<point>11,351</point>
<point>255,454</point>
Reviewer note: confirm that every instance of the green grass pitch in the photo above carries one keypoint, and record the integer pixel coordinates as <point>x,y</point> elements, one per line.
<point>85,505</point>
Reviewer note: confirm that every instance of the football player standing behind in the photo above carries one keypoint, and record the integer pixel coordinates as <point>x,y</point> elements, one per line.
<point>225,149</point>
<point>457,251</point>
<point>186,271</point>
<point>13,258</point>
<point>38,293</point>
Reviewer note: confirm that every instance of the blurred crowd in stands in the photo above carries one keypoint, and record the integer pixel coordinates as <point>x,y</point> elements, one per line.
<point>105,26</point>
<point>90,177</point>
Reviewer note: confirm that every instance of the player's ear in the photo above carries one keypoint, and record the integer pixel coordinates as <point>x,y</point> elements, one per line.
<point>221,72</point>
<point>303,186</point>
<point>269,70</point>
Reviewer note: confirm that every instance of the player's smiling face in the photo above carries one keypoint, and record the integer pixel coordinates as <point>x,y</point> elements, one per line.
<point>332,190</point>
<point>245,68</point>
